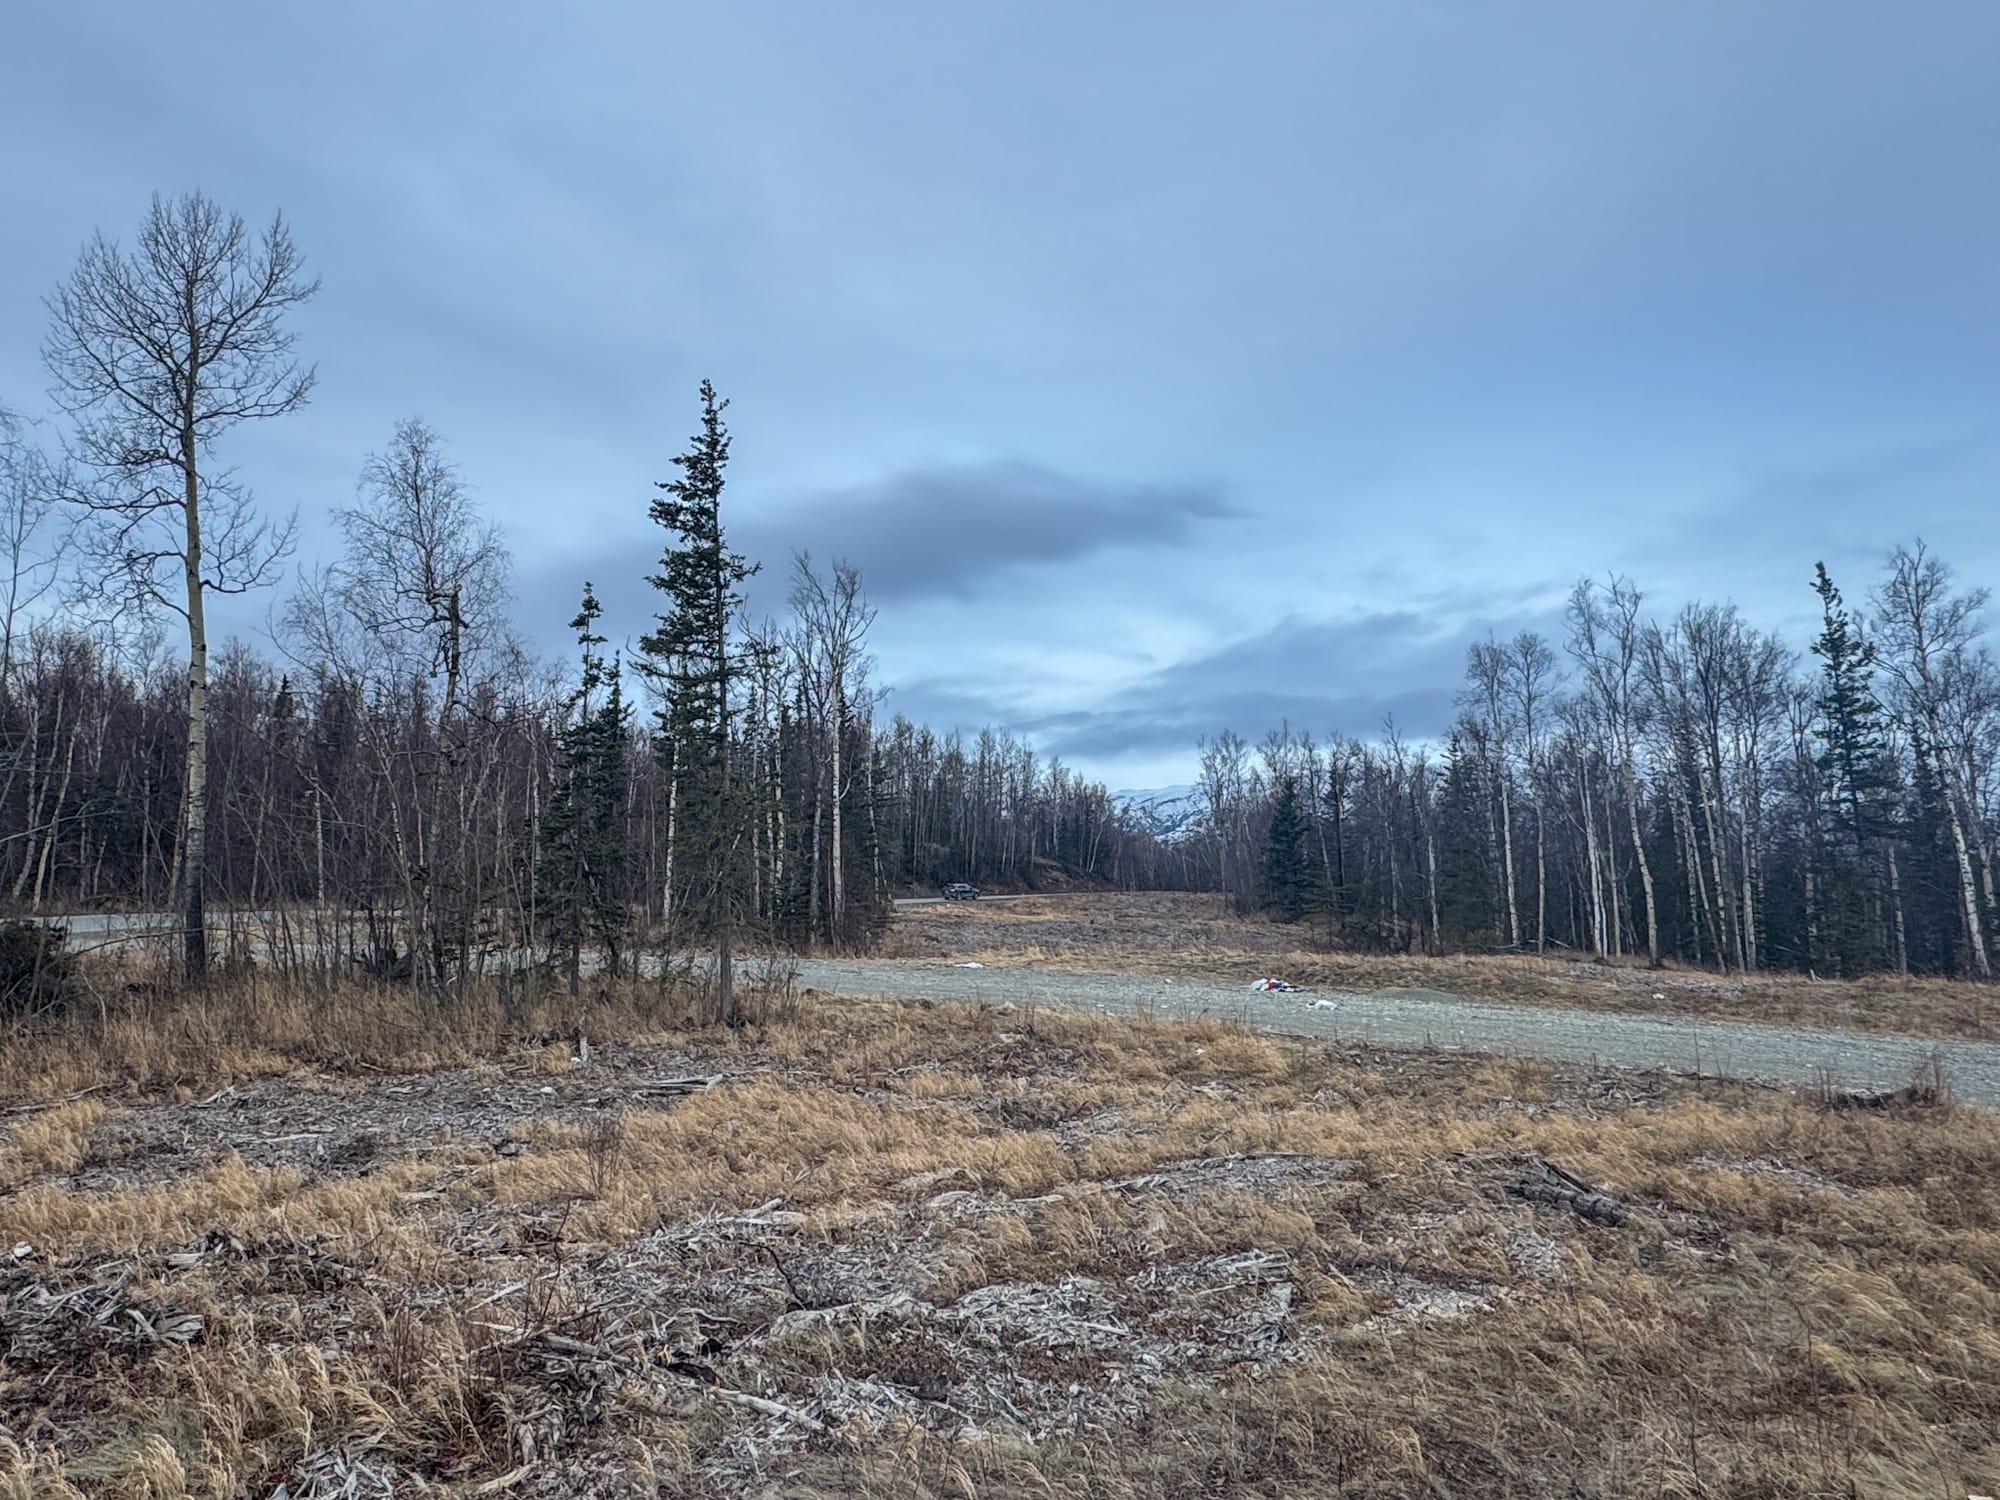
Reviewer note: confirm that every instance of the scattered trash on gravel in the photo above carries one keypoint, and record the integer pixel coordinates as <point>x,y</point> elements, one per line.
<point>1275,984</point>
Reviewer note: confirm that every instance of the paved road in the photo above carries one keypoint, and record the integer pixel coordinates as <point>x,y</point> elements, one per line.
<point>1415,1018</point>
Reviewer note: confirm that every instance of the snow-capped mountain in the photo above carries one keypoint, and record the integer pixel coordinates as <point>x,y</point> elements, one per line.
<point>1168,812</point>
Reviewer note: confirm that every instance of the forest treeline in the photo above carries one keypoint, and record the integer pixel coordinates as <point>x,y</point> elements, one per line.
<point>397,752</point>
<point>1689,787</point>
<point>399,748</point>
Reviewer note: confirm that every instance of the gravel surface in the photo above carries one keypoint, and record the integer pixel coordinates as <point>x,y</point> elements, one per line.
<point>1418,1018</point>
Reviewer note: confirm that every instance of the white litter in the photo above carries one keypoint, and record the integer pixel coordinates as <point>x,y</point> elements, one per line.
<point>969,965</point>
<point>1325,1004</point>
<point>1273,984</point>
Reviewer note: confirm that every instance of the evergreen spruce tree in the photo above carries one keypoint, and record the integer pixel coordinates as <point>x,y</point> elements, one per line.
<point>696,658</point>
<point>1930,876</point>
<point>583,836</point>
<point>1288,868</point>
<point>1466,885</point>
<point>1859,778</point>
<point>1855,756</point>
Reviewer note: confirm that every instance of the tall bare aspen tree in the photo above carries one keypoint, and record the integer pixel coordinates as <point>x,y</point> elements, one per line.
<point>1927,629</point>
<point>426,577</point>
<point>1487,695</point>
<point>832,633</point>
<point>1531,671</point>
<point>157,352</point>
<point>1605,640</point>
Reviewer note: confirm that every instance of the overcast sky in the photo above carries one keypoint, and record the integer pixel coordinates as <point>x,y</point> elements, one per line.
<point>1163,366</point>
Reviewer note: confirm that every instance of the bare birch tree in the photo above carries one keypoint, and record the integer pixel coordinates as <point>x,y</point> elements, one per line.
<point>1531,671</point>
<point>1605,640</point>
<point>1487,696</point>
<point>32,545</point>
<point>427,575</point>
<point>157,352</point>
<point>833,625</point>
<point>413,613</point>
<point>1926,628</point>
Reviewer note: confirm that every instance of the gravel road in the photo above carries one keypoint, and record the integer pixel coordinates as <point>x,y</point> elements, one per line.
<point>1415,1018</point>
<point>105,926</point>
<point>1396,1018</point>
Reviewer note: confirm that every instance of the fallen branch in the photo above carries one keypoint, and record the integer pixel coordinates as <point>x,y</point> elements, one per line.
<point>1556,1187</point>
<point>767,1407</point>
<point>676,1086</point>
<point>45,1104</point>
<point>506,1481</point>
<point>558,1343</point>
<point>1911,1096</point>
<point>799,1303</point>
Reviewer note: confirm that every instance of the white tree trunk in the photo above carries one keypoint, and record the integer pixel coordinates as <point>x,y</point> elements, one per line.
<point>1896,913</point>
<point>37,794</point>
<point>1431,884</point>
<point>673,814</point>
<point>1975,935</point>
<point>1594,863</point>
<point>839,913</point>
<point>1541,860</point>
<point>1615,915</point>
<point>194,858</point>
<point>1645,867</point>
<point>55,820</point>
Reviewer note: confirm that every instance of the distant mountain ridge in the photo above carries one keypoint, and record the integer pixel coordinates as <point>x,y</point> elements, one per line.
<point>1167,812</point>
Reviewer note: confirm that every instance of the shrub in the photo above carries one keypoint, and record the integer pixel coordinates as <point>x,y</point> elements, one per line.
<point>36,975</point>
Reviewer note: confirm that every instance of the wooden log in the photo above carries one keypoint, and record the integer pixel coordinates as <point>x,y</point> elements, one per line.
<point>1549,1183</point>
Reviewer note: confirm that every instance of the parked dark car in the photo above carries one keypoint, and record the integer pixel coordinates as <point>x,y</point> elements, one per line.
<point>959,891</point>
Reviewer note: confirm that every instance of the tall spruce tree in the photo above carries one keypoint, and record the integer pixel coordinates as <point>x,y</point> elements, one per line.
<point>1288,867</point>
<point>1855,755</point>
<point>1466,908</point>
<point>1858,777</point>
<point>583,835</point>
<point>696,658</point>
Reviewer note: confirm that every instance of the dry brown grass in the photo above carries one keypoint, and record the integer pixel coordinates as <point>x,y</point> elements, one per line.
<point>47,1141</point>
<point>143,1031</point>
<point>519,1270</point>
<point>1193,935</point>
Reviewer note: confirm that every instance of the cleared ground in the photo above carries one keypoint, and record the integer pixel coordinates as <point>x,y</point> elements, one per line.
<point>1195,937</point>
<point>1792,1055</point>
<point>346,1245</point>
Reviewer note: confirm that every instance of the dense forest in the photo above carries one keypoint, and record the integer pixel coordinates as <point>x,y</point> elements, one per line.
<point>1689,787</point>
<point>1683,787</point>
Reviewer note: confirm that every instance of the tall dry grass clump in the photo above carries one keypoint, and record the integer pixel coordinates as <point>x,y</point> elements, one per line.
<point>144,1030</point>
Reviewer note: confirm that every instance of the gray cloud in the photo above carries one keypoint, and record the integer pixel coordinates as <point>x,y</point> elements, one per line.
<point>1169,727</point>
<point>1536,317</point>
<point>947,532</point>
<point>944,533</point>
<point>1328,677</point>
